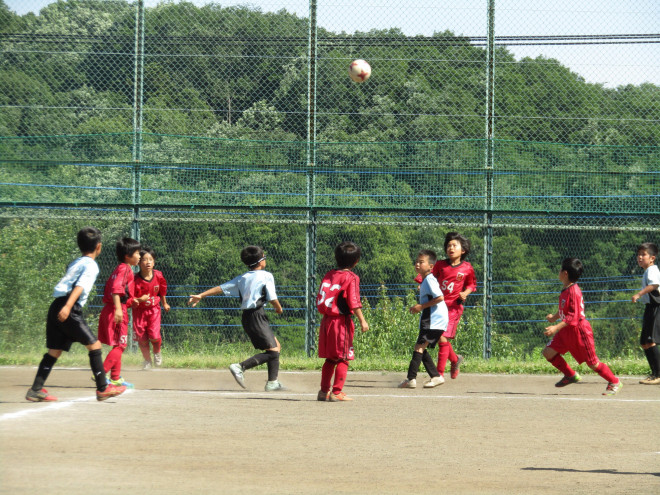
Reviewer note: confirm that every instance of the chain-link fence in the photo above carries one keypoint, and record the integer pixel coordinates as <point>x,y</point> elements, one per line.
<point>199,128</point>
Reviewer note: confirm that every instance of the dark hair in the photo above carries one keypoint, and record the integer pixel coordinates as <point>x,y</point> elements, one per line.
<point>147,250</point>
<point>429,254</point>
<point>88,239</point>
<point>650,247</point>
<point>252,255</point>
<point>347,254</point>
<point>573,267</point>
<point>465,242</point>
<point>126,247</point>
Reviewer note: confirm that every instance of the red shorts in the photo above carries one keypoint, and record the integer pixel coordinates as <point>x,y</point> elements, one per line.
<point>579,341</point>
<point>336,337</point>
<point>146,323</point>
<point>111,333</point>
<point>455,312</point>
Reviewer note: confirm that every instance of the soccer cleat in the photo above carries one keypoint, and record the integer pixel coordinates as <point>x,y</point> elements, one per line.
<point>613,388</point>
<point>119,382</point>
<point>146,365</point>
<point>408,383</point>
<point>323,396</point>
<point>274,386</point>
<point>567,380</point>
<point>39,396</point>
<point>340,397</point>
<point>434,382</point>
<point>158,359</point>
<point>455,367</point>
<point>650,380</point>
<point>110,391</point>
<point>237,370</point>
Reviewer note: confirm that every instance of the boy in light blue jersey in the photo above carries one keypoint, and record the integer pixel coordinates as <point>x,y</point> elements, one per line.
<point>254,288</point>
<point>432,323</point>
<point>65,323</point>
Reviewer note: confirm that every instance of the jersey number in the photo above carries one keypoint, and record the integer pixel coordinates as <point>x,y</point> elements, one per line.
<point>447,288</point>
<point>323,299</point>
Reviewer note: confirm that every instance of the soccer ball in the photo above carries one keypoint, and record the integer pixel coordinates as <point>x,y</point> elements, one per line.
<point>359,70</point>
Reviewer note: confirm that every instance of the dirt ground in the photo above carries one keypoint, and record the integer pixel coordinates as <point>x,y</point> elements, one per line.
<point>184,431</point>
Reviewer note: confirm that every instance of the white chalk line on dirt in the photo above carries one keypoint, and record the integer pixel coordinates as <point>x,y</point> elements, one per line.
<point>49,407</point>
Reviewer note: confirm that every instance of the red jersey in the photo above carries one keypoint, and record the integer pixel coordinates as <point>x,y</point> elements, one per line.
<point>156,288</point>
<point>571,306</point>
<point>339,293</point>
<point>454,279</point>
<point>120,282</point>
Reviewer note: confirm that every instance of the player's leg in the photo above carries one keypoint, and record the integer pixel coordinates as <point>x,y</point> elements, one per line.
<point>556,359</point>
<point>37,393</point>
<point>327,371</point>
<point>154,336</point>
<point>341,371</point>
<point>140,335</point>
<point>443,354</point>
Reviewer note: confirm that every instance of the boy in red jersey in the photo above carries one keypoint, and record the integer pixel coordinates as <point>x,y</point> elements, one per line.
<point>338,300</point>
<point>113,321</point>
<point>573,333</point>
<point>150,288</point>
<point>457,281</point>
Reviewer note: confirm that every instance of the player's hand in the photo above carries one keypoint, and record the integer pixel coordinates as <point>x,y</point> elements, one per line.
<point>166,307</point>
<point>119,316</point>
<point>364,327</point>
<point>194,299</point>
<point>463,295</point>
<point>550,317</point>
<point>143,298</point>
<point>64,313</point>
<point>550,331</point>
<point>636,298</point>
<point>279,310</point>
<point>415,309</point>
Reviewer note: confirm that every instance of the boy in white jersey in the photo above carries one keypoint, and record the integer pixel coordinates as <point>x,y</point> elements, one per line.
<point>647,254</point>
<point>432,323</point>
<point>254,288</point>
<point>65,323</point>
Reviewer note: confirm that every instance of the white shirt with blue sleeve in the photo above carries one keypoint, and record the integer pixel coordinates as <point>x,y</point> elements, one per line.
<point>255,288</point>
<point>438,317</point>
<point>651,277</point>
<point>82,272</point>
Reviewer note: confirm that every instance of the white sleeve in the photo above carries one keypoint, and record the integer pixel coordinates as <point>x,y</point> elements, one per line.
<point>653,277</point>
<point>271,295</point>
<point>231,288</point>
<point>88,276</point>
<point>434,286</point>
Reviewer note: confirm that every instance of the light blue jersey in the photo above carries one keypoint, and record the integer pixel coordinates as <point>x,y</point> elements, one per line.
<point>82,272</point>
<point>436,317</point>
<point>255,288</point>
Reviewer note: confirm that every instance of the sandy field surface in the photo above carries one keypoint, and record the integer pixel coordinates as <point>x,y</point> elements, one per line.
<point>185,431</point>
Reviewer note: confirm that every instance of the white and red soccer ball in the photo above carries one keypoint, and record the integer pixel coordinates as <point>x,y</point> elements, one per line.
<point>359,70</point>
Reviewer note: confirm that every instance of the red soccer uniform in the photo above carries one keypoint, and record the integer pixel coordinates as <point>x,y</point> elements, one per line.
<point>338,296</point>
<point>452,280</point>
<point>146,315</point>
<point>578,337</point>
<point>120,282</point>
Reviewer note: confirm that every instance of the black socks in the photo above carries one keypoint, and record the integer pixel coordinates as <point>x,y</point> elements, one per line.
<point>45,366</point>
<point>270,357</point>
<point>96,363</point>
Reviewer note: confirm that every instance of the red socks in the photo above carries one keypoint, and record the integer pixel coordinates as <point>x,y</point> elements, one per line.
<point>157,343</point>
<point>444,348</point>
<point>339,369</point>
<point>604,371</point>
<point>560,363</point>
<point>112,362</point>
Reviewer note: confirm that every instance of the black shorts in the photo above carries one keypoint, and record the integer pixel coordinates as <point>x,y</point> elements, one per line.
<point>61,334</point>
<point>256,325</point>
<point>650,325</point>
<point>430,336</point>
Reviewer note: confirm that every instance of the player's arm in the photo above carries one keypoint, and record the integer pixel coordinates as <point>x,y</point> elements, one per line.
<point>552,318</point>
<point>278,307</point>
<point>417,308</point>
<point>553,329</point>
<point>163,292</point>
<point>119,314</point>
<point>195,298</point>
<point>646,290</point>
<point>166,306</point>
<point>471,286</point>
<point>364,326</point>
<point>68,306</point>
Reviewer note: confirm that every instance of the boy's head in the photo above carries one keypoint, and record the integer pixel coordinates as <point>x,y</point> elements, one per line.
<point>126,249</point>
<point>347,254</point>
<point>647,254</point>
<point>455,243</point>
<point>147,258</point>
<point>88,239</point>
<point>252,256</point>
<point>425,261</point>
<point>573,268</point>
